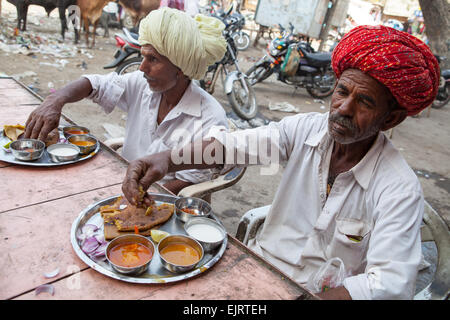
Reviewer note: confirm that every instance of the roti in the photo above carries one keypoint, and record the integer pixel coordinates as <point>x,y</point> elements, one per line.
<point>121,217</point>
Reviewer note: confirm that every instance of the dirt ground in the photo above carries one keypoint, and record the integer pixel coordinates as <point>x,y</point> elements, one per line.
<point>424,140</point>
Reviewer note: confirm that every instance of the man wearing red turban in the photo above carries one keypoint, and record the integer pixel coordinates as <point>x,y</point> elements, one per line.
<point>398,60</point>
<point>348,201</point>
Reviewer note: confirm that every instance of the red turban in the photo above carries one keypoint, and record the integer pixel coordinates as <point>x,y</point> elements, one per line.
<point>398,60</point>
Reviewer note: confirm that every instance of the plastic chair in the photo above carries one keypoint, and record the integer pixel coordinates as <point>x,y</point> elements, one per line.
<point>433,229</point>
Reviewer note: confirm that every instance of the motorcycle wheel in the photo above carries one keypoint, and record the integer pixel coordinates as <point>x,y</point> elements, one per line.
<point>242,101</point>
<point>329,81</point>
<point>442,98</point>
<point>129,65</point>
<point>241,40</point>
<point>259,72</point>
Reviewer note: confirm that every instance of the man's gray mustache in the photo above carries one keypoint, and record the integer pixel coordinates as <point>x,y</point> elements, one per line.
<point>343,121</point>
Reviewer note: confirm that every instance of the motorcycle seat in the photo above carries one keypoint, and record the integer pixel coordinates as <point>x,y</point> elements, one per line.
<point>133,37</point>
<point>446,73</point>
<point>318,59</point>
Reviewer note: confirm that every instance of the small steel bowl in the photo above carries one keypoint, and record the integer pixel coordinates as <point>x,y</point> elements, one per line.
<point>74,128</point>
<point>208,246</point>
<point>52,151</point>
<point>176,268</point>
<point>20,152</point>
<point>130,238</point>
<point>83,137</point>
<point>200,207</point>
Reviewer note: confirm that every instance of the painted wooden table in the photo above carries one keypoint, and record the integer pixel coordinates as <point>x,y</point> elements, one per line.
<point>38,206</point>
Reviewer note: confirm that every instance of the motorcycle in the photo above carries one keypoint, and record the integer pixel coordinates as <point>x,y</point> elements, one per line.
<point>314,72</point>
<point>236,86</point>
<point>443,95</point>
<point>235,22</point>
<point>128,57</point>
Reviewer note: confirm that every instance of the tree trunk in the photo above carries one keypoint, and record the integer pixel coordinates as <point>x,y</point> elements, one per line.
<point>436,16</point>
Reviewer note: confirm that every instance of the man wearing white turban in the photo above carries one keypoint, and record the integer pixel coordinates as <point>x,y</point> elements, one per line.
<point>165,108</point>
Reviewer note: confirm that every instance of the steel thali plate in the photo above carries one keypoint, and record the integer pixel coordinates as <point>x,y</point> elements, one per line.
<point>44,160</point>
<point>156,273</point>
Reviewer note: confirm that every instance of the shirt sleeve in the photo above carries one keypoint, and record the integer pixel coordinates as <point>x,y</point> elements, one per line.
<point>267,145</point>
<point>394,251</point>
<point>110,90</point>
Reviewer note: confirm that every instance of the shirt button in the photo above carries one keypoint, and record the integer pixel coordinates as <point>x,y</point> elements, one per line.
<point>322,196</point>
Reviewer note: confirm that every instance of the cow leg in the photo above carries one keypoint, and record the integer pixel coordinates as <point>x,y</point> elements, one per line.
<point>25,14</point>
<point>62,18</point>
<point>86,30</point>
<point>77,34</point>
<point>93,36</point>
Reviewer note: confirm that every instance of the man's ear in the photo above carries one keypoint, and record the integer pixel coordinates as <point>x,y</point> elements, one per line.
<point>394,118</point>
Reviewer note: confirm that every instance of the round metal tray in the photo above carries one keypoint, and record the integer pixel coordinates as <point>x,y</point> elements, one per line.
<point>156,273</point>
<point>45,160</point>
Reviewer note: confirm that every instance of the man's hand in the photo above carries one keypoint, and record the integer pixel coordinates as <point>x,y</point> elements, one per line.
<point>143,172</point>
<point>44,119</point>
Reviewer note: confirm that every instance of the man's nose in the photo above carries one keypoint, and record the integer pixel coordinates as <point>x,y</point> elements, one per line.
<point>144,66</point>
<point>347,107</point>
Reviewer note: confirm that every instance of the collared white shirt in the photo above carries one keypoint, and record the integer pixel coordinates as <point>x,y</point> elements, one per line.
<point>380,200</point>
<point>190,119</point>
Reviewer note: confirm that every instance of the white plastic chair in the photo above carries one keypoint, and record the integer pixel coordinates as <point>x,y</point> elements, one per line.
<point>434,229</point>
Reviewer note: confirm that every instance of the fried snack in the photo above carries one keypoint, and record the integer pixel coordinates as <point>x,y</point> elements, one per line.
<point>121,217</point>
<point>52,137</point>
<point>143,218</point>
<point>13,132</point>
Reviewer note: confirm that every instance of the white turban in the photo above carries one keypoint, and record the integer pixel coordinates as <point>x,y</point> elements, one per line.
<point>191,44</point>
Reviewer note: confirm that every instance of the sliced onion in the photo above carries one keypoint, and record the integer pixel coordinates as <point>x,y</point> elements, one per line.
<point>52,274</point>
<point>100,251</point>
<point>100,237</point>
<point>89,229</point>
<point>89,245</point>
<point>45,288</point>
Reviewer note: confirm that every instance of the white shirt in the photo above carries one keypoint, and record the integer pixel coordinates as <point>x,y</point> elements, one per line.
<point>380,199</point>
<point>190,119</point>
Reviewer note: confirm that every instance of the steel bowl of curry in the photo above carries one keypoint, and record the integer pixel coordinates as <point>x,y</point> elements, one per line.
<point>130,254</point>
<point>188,207</point>
<point>27,149</point>
<point>85,142</point>
<point>179,253</point>
<point>71,130</point>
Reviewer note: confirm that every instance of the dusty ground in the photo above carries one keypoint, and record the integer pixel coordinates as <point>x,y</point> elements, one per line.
<point>424,141</point>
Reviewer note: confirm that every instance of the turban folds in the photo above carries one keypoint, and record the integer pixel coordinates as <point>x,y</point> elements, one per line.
<point>191,44</point>
<point>398,60</point>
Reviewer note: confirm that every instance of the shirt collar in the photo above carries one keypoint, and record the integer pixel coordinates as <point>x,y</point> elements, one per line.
<point>190,103</point>
<point>364,168</point>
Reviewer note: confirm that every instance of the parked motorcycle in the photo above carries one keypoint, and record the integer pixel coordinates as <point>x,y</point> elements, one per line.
<point>237,88</point>
<point>443,95</point>
<point>314,70</point>
<point>128,57</point>
<point>235,22</point>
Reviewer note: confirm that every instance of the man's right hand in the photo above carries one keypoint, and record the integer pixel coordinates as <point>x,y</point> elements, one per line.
<point>44,119</point>
<point>143,172</point>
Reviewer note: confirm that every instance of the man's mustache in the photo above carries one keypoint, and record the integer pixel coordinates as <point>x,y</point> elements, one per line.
<point>343,121</point>
<point>147,77</point>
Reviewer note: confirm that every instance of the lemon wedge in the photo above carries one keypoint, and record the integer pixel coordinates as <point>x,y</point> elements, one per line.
<point>157,235</point>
